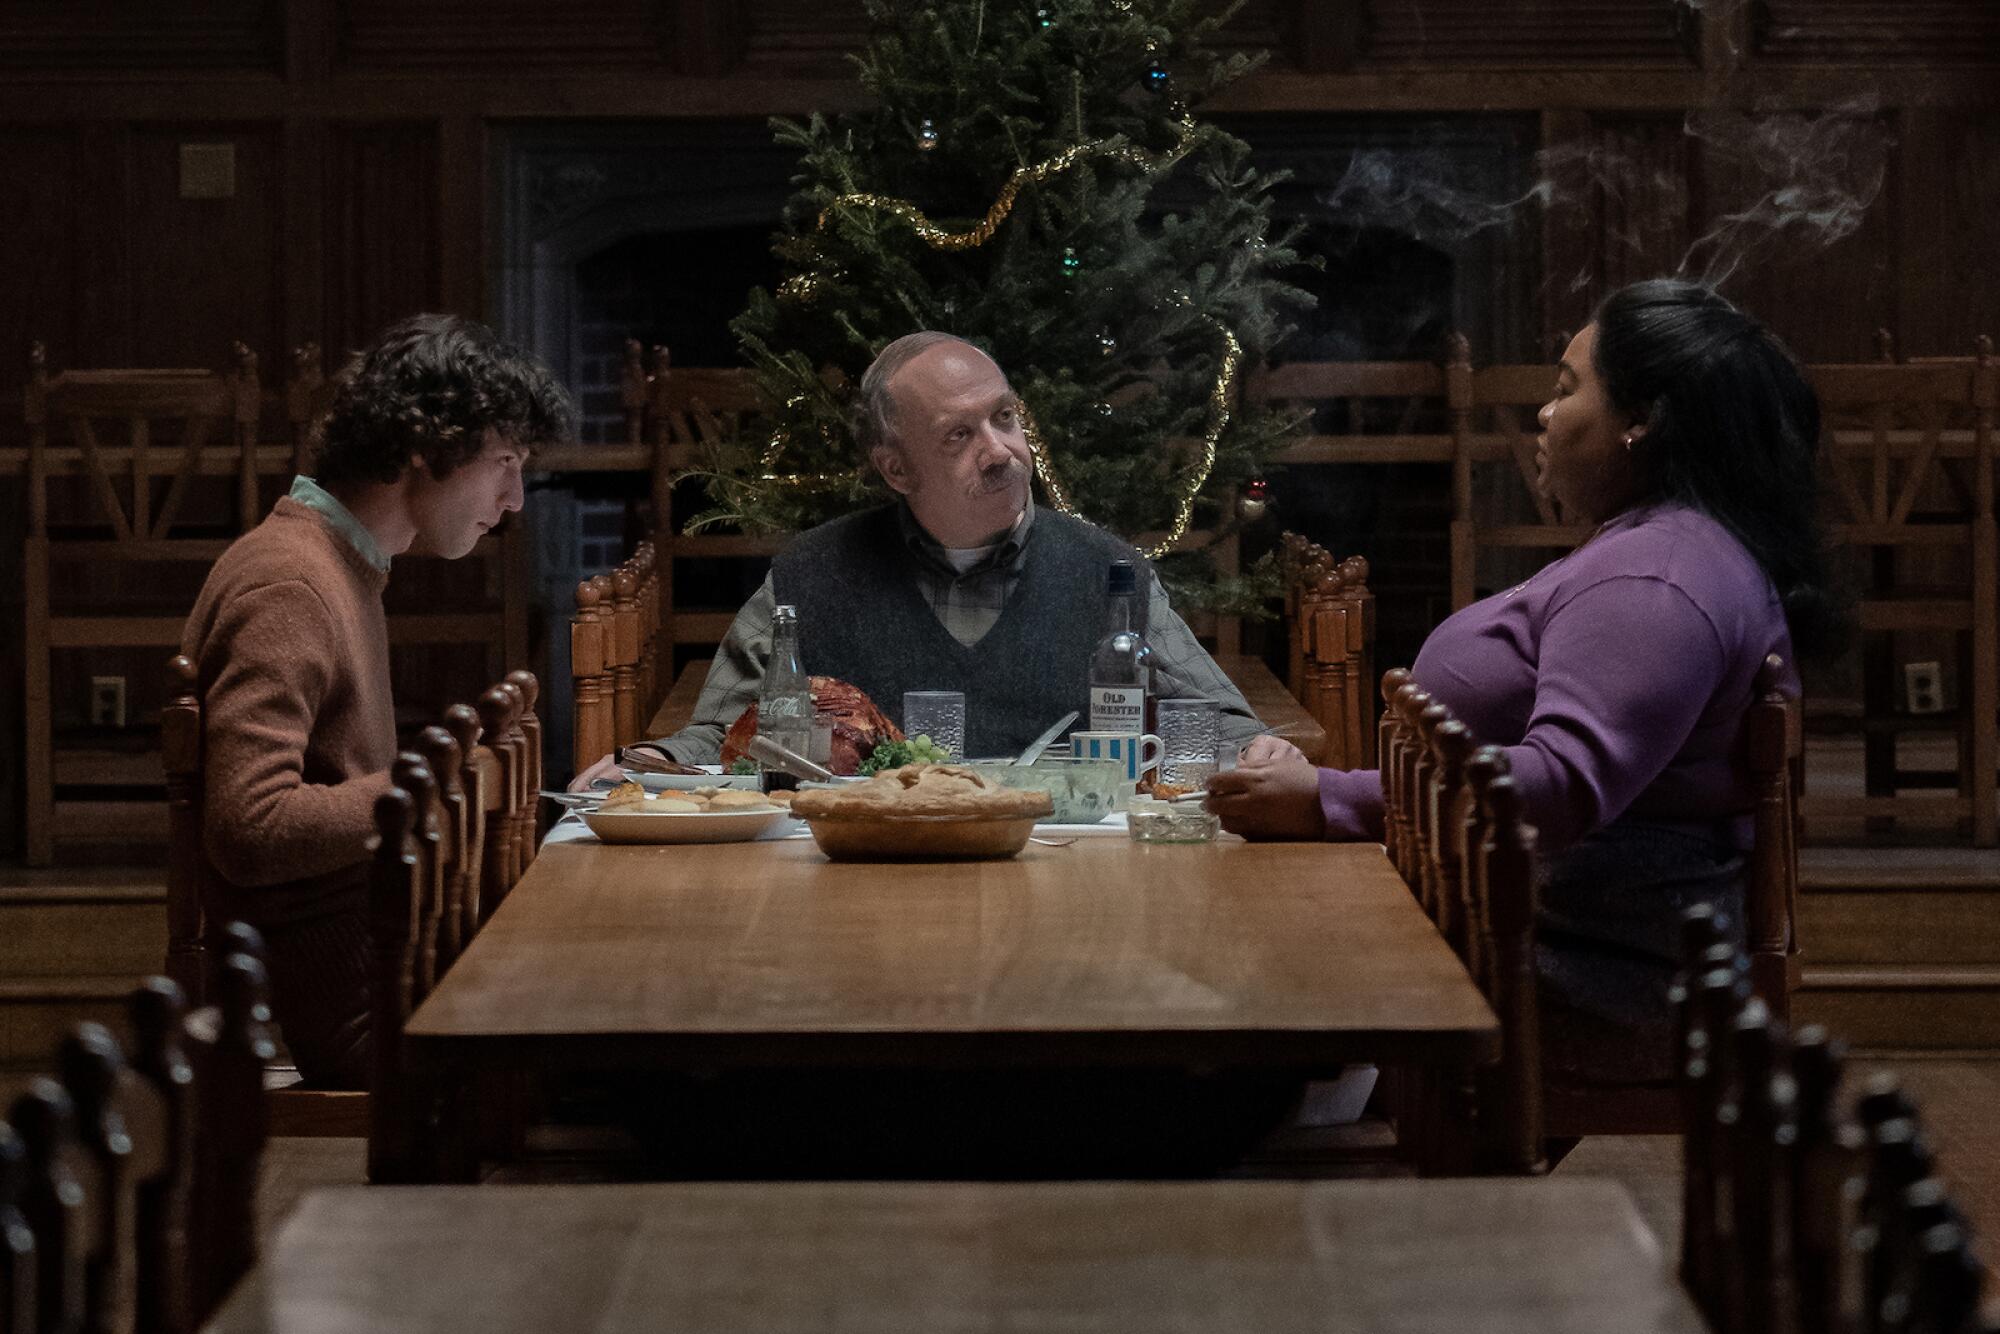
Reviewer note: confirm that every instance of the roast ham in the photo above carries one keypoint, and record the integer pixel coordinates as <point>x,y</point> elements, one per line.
<point>858,726</point>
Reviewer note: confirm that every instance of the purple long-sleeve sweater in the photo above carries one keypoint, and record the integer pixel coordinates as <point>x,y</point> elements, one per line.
<point>1617,678</point>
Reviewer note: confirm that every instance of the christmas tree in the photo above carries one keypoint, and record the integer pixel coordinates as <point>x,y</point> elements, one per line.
<point>1032,178</point>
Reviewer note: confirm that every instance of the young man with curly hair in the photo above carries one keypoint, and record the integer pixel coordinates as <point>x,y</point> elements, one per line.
<point>421,452</point>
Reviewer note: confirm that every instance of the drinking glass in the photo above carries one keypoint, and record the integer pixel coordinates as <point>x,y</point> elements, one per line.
<point>939,715</point>
<point>1188,734</point>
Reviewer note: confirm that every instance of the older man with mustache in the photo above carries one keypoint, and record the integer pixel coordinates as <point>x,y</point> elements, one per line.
<point>961,584</point>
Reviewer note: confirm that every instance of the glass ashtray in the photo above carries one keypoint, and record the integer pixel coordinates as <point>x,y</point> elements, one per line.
<point>1153,821</point>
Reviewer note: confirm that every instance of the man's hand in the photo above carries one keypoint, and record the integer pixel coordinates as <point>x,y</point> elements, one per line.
<point>604,768</point>
<point>1277,798</point>
<point>1267,749</point>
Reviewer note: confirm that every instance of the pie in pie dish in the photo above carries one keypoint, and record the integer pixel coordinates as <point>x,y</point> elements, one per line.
<point>921,811</point>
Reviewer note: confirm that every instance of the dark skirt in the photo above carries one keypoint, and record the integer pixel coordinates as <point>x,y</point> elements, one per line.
<point>1607,943</point>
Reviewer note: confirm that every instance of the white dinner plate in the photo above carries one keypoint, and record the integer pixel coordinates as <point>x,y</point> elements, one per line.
<point>681,826</point>
<point>689,782</point>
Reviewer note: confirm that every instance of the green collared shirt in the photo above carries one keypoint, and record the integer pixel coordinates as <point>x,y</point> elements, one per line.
<point>305,491</point>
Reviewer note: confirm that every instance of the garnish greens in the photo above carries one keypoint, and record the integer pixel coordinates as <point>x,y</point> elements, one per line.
<point>896,754</point>
<point>743,767</point>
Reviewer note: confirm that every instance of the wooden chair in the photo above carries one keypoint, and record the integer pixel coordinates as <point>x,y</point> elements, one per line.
<point>1797,1215</point>
<point>192,887</point>
<point>173,429</point>
<point>1299,563</point>
<point>1438,820</point>
<point>618,684</point>
<point>403,885</point>
<point>1361,411</point>
<point>128,1192</point>
<point>479,835</point>
<point>1337,613</point>
<point>680,412</point>
<point>1493,475</point>
<point>1908,456</point>
<point>1771,755</point>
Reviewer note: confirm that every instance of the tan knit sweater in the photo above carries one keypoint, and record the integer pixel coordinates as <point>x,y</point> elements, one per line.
<point>292,648</point>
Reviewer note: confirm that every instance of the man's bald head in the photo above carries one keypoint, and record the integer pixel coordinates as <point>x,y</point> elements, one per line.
<point>874,405</point>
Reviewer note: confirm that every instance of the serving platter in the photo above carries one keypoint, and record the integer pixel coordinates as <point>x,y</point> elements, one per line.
<point>682,826</point>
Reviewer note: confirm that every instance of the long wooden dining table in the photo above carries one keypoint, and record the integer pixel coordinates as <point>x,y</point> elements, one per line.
<point>1506,1256</point>
<point>1099,955</point>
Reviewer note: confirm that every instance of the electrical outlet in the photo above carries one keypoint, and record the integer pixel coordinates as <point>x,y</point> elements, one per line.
<point>1923,687</point>
<point>107,701</point>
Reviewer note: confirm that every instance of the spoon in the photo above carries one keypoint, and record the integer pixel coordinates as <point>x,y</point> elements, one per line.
<point>1041,743</point>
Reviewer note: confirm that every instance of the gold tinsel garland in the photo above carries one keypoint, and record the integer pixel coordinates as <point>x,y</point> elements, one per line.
<point>937,238</point>
<point>803,286</point>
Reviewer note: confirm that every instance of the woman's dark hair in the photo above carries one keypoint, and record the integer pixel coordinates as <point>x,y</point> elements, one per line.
<point>431,386</point>
<point>1732,430</point>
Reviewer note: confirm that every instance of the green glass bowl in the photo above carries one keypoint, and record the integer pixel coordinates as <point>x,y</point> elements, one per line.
<point>1083,791</point>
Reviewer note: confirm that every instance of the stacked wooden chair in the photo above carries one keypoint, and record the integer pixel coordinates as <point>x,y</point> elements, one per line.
<point>144,444</point>
<point>1799,1214</point>
<point>1454,828</point>
<point>472,782</point>
<point>1330,615</point>
<point>128,1183</point>
<point>621,675</point>
<point>681,414</point>
<point>1908,459</point>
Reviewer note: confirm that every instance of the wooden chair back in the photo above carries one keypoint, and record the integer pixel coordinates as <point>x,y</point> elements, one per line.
<point>615,657</point>
<point>1336,615</point>
<point>505,795</point>
<point>1907,458</point>
<point>127,1191</point>
<point>141,442</point>
<point>400,889</point>
<point>1439,819</point>
<point>595,729</point>
<point>1388,742</point>
<point>1299,563</point>
<point>1360,411</point>
<point>1511,1130</point>
<point>201,409</point>
<point>308,394</point>
<point>697,406</point>
<point>1499,507</point>
<point>1773,750</point>
<point>1797,1215</point>
<point>473,784</point>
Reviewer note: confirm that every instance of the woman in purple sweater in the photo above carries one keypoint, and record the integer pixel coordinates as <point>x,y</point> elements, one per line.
<point>1617,677</point>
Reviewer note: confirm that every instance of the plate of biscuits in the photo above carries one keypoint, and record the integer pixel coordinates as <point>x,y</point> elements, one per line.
<point>630,814</point>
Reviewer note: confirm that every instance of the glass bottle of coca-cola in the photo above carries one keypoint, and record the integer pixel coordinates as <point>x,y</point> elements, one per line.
<point>784,705</point>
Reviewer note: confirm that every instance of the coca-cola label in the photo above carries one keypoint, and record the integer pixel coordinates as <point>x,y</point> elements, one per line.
<point>1117,708</point>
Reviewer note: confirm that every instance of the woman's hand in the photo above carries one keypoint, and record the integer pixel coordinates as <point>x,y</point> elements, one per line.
<point>1267,749</point>
<point>1277,798</point>
<point>604,768</point>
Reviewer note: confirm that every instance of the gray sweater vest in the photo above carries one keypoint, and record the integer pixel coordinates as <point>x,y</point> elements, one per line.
<point>863,619</point>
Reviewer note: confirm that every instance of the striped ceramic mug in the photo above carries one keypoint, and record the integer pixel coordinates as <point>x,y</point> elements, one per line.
<point>1137,753</point>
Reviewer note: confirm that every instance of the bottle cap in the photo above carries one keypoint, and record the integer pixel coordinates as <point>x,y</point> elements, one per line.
<point>1124,579</point>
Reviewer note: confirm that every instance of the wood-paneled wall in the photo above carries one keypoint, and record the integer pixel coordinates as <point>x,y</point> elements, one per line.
<point>359,131</point>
